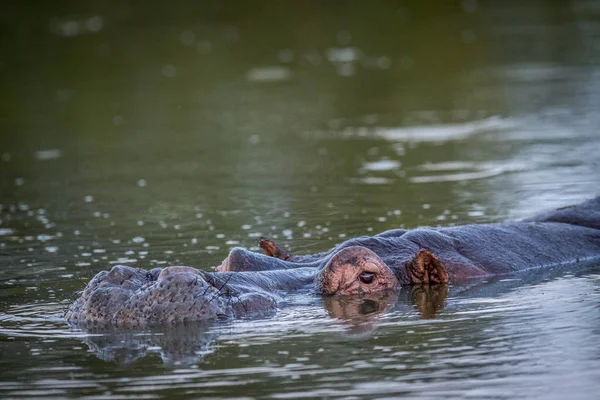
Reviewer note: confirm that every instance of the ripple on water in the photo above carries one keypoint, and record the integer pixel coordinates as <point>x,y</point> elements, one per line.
<point>482,344</point>
<point>464,171</point>
<point>269,74</point>
<point>445,132</point>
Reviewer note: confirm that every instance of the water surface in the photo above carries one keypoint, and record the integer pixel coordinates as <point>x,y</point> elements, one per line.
<point>166,135</point>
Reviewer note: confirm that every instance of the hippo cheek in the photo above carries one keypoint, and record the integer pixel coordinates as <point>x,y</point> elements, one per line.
<point>355,270</point>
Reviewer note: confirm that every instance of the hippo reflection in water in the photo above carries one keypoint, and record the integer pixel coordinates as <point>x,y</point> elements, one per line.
<point>249,284</point>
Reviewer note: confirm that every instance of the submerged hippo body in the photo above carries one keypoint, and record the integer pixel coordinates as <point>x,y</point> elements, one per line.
<point>248,283</point>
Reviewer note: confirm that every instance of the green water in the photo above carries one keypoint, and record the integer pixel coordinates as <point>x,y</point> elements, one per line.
<point>137,133</point>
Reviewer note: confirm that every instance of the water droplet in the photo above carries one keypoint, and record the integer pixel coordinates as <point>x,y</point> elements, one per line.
<point>384,62</point>
<point>204,47</point>
<point>475,213</point>
<point>69,28</point>
<point>382,165</point>
<point>468,36</point>
<point>94,24</point>
<point>6,231</point>
<point>469,5</point>
<point>268,74</point>
<point>188,38</point>
<point>343,55</point>
<point>169,71</point>
<point>254,139</point>
<point>49,154</point>
<point>231,33</point>
<point>286,55</point>
<point>138,239</point>
<point>83,264</point>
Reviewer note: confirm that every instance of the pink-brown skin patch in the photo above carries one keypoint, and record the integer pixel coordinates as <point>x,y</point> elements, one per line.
<point>225,266</point>
<point>355,270</point>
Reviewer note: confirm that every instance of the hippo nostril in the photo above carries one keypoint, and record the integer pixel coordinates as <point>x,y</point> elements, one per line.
<point>366,277</point>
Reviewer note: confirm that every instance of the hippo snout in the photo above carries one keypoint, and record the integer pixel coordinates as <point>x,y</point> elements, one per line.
<point>129,297</point>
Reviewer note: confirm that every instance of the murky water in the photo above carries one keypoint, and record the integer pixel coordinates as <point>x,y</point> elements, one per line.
<point>138,134</point>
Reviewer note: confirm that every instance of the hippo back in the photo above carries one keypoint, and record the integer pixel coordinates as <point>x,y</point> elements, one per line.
<point>585,214</point>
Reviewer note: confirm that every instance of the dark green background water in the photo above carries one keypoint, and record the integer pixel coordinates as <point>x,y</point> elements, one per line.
<point>133,132</point>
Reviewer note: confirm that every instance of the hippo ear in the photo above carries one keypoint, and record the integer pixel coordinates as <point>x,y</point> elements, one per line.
<point>426,268</point>
<point>273,250</point>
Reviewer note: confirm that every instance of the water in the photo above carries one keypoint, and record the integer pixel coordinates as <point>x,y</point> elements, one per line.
<point>159,135</point>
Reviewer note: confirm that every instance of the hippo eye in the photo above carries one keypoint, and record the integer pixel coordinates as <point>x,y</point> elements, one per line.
<point>366,277</point>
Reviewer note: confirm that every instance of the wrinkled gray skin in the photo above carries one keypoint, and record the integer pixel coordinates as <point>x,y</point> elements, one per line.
<point>127,296</point>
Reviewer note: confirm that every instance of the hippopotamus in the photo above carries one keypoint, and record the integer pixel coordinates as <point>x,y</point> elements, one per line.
<point>249,284</point>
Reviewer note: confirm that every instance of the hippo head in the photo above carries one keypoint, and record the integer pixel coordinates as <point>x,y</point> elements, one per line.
<point>355,270</point>
<point>129,297</point>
